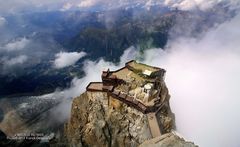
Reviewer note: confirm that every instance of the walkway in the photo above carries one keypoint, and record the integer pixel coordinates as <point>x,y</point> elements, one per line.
<point>153,125</point>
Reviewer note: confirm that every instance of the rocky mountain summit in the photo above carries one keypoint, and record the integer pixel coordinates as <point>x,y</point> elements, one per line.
<point>117,114</point>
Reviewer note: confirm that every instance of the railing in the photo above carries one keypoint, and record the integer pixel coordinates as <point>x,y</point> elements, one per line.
<point>129,100</point>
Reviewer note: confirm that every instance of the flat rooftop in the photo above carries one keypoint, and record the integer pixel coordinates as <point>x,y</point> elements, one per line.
<point>142,67</point>
<point>95,86</point>
<point>131,81</point>
<point>128,75</point>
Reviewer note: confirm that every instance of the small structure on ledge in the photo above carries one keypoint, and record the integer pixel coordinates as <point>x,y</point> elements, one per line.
<point>137,85</point>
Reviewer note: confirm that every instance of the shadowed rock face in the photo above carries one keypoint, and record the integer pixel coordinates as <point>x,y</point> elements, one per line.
<point>1,115</point>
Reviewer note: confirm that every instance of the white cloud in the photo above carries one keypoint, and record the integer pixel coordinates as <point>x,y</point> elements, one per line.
<point>15,6</point>
<point>14,61</point>
<point>203,79</point>
<point>64,59</point>
<point>88,3</point>
<point>16,45</point>
<point>66,6</point>
<point>180,4</point>
<point>197,4</point>
<point>2,21</point>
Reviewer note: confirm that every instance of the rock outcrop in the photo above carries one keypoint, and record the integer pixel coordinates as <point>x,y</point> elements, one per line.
<point>106,115</point>
<point>96,121</point>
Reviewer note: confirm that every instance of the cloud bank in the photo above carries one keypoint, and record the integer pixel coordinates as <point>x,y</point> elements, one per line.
<point>16,45</point>
<point>64,59</point>
<point>198,4</point>
<point>2,21</point>
<point>203,79</point>
<point>15,6</point>
<point>15,61</point>
<point>180,4</point>
<point>36,49</point>
<point>9,65</point>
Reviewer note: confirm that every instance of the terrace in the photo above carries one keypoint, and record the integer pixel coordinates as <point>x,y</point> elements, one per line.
<point>131,86</point>
<point>137,85</point>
